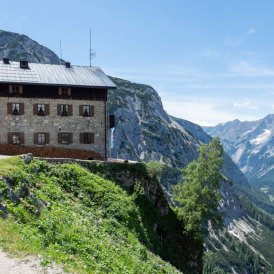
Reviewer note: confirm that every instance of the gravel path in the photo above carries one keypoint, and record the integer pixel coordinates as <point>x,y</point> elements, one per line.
<point>4,156</point>
<point>28,265</point>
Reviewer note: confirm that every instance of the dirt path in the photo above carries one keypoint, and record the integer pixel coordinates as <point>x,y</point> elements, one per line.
<point>4,156</point>
<point>29,265</point>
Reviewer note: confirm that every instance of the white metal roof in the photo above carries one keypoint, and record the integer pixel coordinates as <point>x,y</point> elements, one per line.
<point>54,75</point>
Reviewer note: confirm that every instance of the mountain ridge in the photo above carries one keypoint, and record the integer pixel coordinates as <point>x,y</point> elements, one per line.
<point>18,47</point>
<point>250,145</point>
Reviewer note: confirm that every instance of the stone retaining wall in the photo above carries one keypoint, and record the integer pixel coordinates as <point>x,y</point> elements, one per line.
<point>7,149</point>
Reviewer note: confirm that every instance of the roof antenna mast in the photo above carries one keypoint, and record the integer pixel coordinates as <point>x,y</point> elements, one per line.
<point>61,52</point>
<point>92,53</point>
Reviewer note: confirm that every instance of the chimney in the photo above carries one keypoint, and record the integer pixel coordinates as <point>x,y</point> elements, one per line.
<point>67,64</point>
<point>6,61</point>
<point>24,64</point>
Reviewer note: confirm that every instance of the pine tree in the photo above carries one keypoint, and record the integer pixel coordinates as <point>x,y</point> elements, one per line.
<point>199,192</point>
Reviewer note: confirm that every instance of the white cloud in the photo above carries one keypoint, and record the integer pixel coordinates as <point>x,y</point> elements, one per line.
<point>201,111</point>
<point>245,105</point>
<point>251,31</point>
<point>210,53</point>
<point>238,40</point>
<point>244,68</point>
<point>234,41</point>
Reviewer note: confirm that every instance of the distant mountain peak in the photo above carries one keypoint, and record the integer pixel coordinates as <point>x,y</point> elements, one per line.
<point>251,145</point>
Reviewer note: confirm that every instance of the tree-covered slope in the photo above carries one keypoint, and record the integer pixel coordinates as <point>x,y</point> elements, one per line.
<point>245,245</point>
<point>90,224</point>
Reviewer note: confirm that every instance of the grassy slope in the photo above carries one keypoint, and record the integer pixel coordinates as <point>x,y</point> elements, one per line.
<point>80,220</point>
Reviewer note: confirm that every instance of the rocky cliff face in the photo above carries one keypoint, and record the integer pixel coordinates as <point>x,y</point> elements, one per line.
<point>20,47</point>
<point>144,131</point>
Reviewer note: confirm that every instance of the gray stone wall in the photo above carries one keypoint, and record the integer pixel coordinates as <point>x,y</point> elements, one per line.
<point>54,124</point>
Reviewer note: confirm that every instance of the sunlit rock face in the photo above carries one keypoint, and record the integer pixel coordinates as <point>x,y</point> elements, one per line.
<point>144,131</point>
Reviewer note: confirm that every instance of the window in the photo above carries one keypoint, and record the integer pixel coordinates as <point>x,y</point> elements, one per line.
<point>65,138</point>
<point>87,138</point>
<point>15,109</point>
<point>64,110</point>
<point>15,89</point>
<point>86,110</point>
<point>64,91</point>
<point>16,138</point>
<point>41,109</point>
<point>41,138</point>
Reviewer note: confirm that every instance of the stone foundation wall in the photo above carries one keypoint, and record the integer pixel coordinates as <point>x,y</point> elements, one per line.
<point>54,152</point>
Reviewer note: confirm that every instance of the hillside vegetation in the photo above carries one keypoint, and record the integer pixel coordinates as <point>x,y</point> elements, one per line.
<point>85,222</point>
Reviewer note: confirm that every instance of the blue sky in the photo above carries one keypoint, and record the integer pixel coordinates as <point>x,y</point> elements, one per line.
<point>211,61</point>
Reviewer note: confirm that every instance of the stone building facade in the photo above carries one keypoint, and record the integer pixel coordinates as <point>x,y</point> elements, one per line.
<point>54,110</point>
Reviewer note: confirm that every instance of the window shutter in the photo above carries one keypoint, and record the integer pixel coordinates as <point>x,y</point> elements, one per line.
<point>47,109</point>
<point>81,110</point>
<point>20,89</point>
<point>35,138</point>
<point>10,138</point>
<point>47,138</point>
<point>59,91</point>
<point>22,109</point>
<point>22,139</point>
<point>9,106</point>
<point>59,110</point>
<point>10,88</point>
<point>81,138</point>
<point>70,110</point>
<point>92,138</point>
<point>111,121</point>
<point>91,111</point>
<point>59,138</point>
<point>70,137</point>
<point>35,109</point>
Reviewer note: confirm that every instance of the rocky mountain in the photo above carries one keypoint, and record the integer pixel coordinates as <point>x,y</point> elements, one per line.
<point>18,46</point>
<point>145,132</point>
<point>251,146</point>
